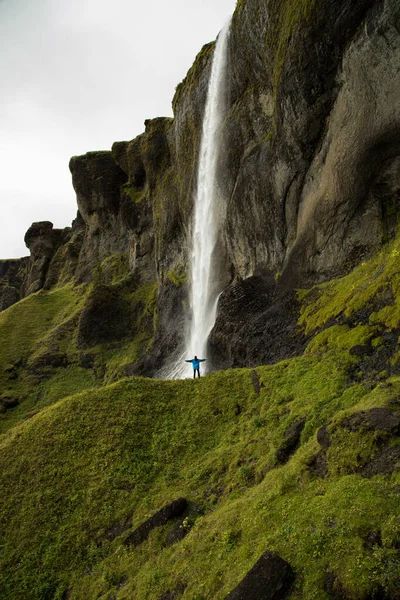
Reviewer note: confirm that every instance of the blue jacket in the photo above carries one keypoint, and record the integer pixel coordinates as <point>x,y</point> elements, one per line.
<point>196,363</point>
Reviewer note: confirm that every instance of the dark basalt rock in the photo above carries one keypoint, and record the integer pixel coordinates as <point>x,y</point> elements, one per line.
<point>384,462</point>
<point>106,316</point>
<point>384,459</point>
<point>174,594</point>
<point>86,361</point>
<point>49,359</point>
<point>323,437</point>
<point>375,419</point>
<point>12,279</point>
<point>334,587</point>
<point>43,242</point>
<point>117,529</point>
<point>319,465</point>
<point>8,296</point>
<point>256,382</point>
<point>336,590</point>
<point>362,350</point>
<point>255,325</point>
<point>269,579</point>
<point>177,533</point>
<point>291,442</point>
<point>8,401</point>
<point>168,512</point>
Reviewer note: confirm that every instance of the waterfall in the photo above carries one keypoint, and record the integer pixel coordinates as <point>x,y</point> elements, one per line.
<point>204,295</point>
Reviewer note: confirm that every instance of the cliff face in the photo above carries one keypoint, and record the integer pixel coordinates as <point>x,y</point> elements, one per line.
<point>309,177</point>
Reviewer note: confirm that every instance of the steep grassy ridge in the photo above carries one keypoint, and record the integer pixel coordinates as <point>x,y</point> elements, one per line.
<point>44,353</point>
<point>93,460</point>
<point>35,333</point>
<point>81,474</point>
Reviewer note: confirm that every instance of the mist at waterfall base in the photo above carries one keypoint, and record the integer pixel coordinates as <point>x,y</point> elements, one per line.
<point>204,291</point>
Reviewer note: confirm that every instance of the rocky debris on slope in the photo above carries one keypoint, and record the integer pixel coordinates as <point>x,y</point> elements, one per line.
<point>269,579</point>
<point>51,359</point>
<point>291,441</point>
<point>184,524</point>
<point>174,594</point>
<point>165,514</point>
<point>337,591</point>
<point>375,419</point>
<point>117,529</point>
<point>8,400</point>
<point>384,458</point>
<point>256,382</point>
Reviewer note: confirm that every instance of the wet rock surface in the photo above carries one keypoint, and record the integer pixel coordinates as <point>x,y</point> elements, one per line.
<point>255,324</point>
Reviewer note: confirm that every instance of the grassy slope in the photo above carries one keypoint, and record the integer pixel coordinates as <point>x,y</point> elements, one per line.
<point>46,323</point>
<point>28,330</point>
<point>94,459</point>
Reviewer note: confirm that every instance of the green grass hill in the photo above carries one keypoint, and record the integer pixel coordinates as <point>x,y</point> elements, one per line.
<point>300,457</point>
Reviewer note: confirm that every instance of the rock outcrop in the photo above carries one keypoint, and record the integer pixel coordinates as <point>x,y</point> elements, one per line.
<point>309,179</point>
<point>269,579</point>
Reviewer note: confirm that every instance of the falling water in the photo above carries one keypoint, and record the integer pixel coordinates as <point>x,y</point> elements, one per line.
<point>204,294</point>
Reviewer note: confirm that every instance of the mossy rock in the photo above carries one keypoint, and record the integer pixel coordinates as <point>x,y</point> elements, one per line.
<point>105,317</point>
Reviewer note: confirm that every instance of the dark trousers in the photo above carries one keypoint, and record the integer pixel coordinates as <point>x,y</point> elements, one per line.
<point>196,371</point>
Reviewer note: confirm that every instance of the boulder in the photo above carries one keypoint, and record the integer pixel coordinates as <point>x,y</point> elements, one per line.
<point>374,419</point>
<point>165,514</point>
<point>270,579</point>
<point>291,441</point>
<point>8,400</point>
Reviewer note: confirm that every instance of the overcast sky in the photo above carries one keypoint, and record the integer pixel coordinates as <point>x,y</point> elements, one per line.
<point>76,76</point>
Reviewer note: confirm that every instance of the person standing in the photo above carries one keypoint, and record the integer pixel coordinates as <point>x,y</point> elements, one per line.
<point>196,365</point>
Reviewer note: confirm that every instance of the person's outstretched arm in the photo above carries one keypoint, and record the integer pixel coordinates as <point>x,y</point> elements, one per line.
<point>202,359</point>
<point>188,361</point>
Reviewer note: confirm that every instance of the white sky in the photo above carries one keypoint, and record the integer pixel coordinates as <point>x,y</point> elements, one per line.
<point>76,76</point>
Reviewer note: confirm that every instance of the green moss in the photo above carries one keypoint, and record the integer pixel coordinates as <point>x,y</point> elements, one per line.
<point>373,282</point>
<point>339,337</point>
<point>24,325</point>
<point>178,276</point>
<point>285,19</point>
<point>115,268</point>
<point>136,195</point>
<point>137,444</point>
<point>193,75</point>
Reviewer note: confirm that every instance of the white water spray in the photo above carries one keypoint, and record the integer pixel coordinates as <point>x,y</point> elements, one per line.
<point>204,294</point>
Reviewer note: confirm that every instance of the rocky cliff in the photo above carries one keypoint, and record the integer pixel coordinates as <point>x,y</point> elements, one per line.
<point>309,177</point>
<point>276,481</point>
